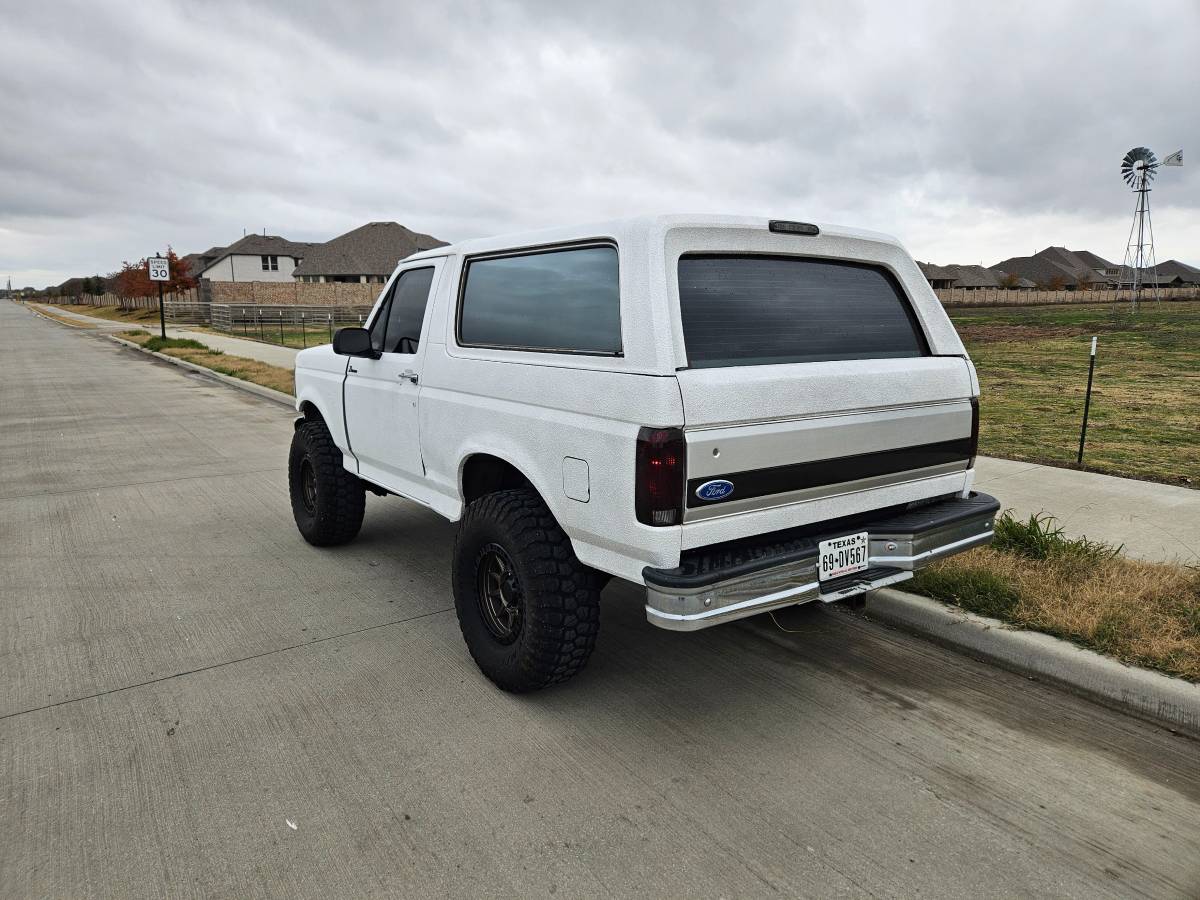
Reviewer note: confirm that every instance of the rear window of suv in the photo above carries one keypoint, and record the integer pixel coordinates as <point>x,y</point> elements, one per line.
<point>766,310</point>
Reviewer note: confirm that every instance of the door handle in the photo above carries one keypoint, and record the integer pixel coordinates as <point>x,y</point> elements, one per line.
<point>409,375</point>
<point>352,369</point>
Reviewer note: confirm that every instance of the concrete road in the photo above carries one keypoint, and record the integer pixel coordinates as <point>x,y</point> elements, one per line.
<point>195,703</point>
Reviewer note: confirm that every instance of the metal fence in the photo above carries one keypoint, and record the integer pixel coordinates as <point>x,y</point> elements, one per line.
<point>288,325</point>
<point>187,313</point>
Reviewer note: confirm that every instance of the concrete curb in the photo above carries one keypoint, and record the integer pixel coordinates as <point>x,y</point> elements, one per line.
<point>249,386</point>
<point>1164,700</point>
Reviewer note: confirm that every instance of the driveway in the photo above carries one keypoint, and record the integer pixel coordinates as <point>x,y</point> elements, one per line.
<point>194,702</point>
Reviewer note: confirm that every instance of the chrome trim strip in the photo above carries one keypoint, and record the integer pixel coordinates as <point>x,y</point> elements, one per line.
<point>832,414</point>
<point>744,607</point>
<point>909,562</point>
<point>821,492</point>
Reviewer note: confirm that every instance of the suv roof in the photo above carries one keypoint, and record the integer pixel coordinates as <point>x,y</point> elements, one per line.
<point>620,230</point>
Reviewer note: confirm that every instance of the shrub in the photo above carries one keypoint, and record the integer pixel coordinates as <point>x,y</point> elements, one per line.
<point>157,344</point>
<point>1040,538</point>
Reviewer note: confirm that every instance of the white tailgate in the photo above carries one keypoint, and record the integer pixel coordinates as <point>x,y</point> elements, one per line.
<point>788,434</point>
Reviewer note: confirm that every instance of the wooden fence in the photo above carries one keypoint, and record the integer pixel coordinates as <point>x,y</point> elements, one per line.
<point>193,305</point>
<point>1017,297</point>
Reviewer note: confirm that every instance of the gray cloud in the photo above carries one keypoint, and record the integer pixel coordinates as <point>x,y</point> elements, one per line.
<point>974,131</point>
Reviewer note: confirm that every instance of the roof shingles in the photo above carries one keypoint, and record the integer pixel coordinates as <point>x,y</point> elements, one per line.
<point>372,249</point>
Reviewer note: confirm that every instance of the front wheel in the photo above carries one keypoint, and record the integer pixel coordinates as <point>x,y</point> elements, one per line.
<point>528,609</point>
<point>327,501</point>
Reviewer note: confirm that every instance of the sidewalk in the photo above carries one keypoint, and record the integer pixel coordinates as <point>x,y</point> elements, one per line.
<point>1153,521</point>
<point>81,319</point>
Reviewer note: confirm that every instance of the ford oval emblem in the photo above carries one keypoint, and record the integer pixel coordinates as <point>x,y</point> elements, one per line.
<point>715,490</point>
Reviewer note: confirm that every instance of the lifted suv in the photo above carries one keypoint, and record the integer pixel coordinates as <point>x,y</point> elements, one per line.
<point>739,414</point>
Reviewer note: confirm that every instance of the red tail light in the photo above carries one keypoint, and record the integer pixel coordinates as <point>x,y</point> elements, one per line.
<point>661,474</point>
<point>974,431</point>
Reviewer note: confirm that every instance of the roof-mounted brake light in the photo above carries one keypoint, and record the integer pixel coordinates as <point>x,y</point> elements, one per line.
<point>780,226</point>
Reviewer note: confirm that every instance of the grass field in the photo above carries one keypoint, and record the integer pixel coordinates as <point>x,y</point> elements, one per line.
<point>1145,415</point>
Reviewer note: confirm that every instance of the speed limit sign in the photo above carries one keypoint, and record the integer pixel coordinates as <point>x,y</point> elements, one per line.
<point>159,270</point>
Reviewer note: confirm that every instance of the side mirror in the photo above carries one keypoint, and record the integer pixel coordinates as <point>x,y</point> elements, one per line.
<point>354,342</point>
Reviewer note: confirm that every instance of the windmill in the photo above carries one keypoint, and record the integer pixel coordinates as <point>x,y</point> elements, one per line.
<point>1138,169</point>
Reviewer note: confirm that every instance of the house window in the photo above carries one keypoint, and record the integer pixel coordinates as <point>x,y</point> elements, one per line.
<point>270,263</point>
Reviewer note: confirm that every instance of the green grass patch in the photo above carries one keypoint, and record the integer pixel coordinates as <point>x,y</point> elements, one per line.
<point>158,344</point>
<point>1039,538</point>
<point>1033,364</point>
<point>972,588</point>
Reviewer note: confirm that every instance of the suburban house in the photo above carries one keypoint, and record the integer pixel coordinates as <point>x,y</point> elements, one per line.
<point>367,254</point>
<point>973,277</point>
<point>1054,267</point>
<point>198,262</point>
<point>968,277</point>
<point>937,276</point>
<point>1173,273</point>
<point>256,257</point>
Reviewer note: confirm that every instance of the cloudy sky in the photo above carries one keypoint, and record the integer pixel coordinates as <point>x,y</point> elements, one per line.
<point>974,131</point>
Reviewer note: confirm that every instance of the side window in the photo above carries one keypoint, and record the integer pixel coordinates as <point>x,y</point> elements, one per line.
<point>565,300</point>
<point>407,311</point>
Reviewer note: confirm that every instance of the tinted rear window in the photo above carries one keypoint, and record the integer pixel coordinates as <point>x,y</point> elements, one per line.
<point>765,310</point>
<point>566,300</point>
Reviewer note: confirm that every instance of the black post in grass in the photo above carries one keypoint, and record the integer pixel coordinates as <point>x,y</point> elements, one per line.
<point>1087,404</point>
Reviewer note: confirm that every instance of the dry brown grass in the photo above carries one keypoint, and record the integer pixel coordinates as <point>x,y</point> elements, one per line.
<point>273,377</point>
<point>1142,613</point>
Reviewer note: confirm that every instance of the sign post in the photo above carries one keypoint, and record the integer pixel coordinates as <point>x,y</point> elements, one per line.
<point>160,271</point>
<point>1087,403</point>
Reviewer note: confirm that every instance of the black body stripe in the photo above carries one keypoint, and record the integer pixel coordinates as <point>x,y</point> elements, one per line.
<point>797,477</point>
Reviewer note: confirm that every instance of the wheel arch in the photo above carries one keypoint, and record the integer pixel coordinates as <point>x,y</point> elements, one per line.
<point>314,403</point>
<point>480,474</point>
<point>309,412</point>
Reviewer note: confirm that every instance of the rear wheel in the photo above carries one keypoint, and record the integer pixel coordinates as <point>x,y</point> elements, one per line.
<point>327,501</point>
<point>528,609</point>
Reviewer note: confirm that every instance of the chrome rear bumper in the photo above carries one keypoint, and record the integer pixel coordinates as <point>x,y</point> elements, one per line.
<point>720,584</point>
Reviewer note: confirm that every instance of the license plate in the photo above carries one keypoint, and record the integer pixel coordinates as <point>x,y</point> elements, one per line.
<point>842,555</point>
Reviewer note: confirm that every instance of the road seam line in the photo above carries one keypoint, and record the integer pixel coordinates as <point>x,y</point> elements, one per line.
<point>109,487</point>
<point>229,662</point>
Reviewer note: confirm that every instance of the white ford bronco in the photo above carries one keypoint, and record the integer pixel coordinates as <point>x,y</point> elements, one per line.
<point>739,414</point>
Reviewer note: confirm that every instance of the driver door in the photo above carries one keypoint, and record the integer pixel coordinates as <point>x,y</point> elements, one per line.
<point>380,395</point>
